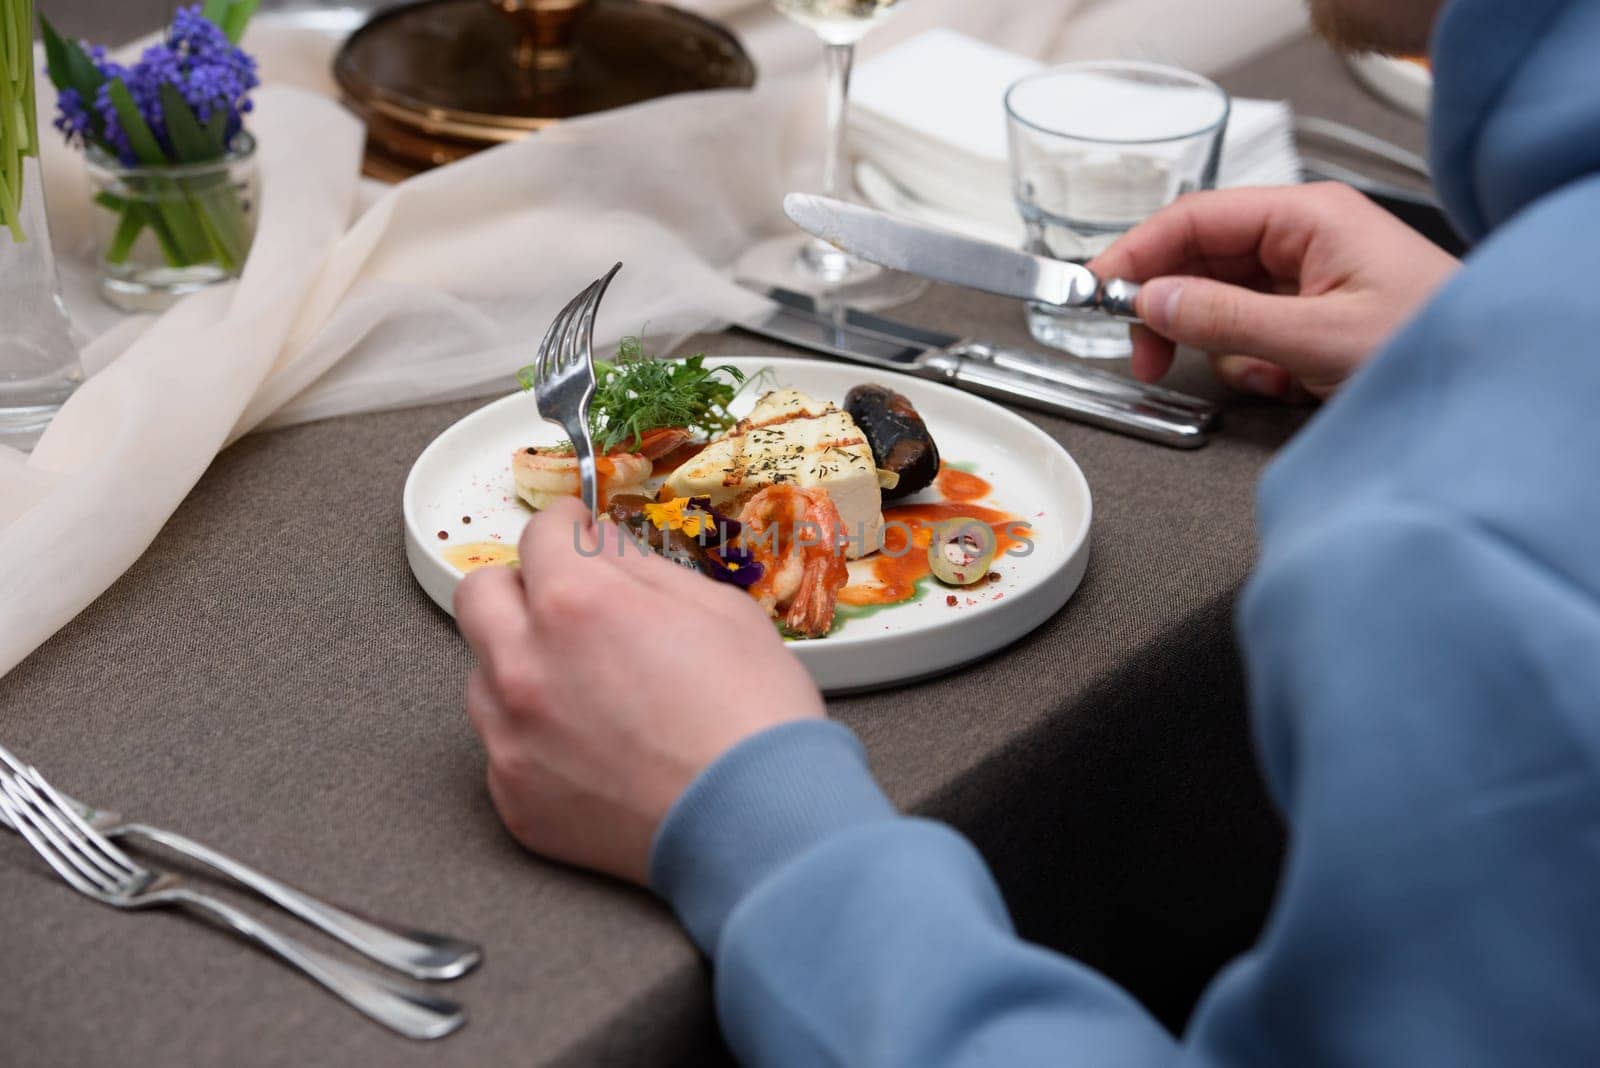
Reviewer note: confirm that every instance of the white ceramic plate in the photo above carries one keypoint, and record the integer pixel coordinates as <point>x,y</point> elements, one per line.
<point>1406,85</point>
<point>465,474</point>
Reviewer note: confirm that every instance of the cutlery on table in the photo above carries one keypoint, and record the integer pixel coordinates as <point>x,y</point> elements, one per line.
<point>1034,381</point>
<point>946,256</point>
<point>564,383</point>
<point>93,866</point>
<point>420,954</point>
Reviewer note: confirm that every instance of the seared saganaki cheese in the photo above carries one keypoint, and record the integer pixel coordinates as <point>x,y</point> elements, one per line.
<point>795,439</point>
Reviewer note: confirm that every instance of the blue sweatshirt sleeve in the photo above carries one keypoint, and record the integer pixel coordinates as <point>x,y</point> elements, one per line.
<point>843,933</point>
<point>1433,742</point>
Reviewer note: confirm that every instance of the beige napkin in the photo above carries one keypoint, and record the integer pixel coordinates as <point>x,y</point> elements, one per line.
<point>442,287</point>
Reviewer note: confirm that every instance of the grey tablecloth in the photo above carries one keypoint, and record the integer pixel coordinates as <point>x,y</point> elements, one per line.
<point>270,679</point>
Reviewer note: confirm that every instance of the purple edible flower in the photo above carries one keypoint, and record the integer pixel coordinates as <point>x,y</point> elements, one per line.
<point>726,529</point>
<point>736,566</point>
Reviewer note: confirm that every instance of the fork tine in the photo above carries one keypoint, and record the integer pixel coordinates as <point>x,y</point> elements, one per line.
<point>585,341</point>
<point>541,364</point>
<point>24,793</point>
<point>81,827</point>
<point>561,353</point>
<point>549,360</point>
<point>578,345</point>
<point>12,762</point>
<point>89,841</point>
<point>48,844</point>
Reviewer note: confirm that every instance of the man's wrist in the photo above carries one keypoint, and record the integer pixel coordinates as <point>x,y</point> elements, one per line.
<point>760,805</point>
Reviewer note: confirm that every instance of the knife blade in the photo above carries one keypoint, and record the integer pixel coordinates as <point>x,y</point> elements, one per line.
<point>847,332</point>
<point>843,335</point>
<point>946,256</point>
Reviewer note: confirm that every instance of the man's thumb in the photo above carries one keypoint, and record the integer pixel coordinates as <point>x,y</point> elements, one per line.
<point>1216,317</point>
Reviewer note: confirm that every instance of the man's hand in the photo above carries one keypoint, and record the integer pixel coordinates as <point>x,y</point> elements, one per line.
<point>1288,289</point>
<point>606,682</point>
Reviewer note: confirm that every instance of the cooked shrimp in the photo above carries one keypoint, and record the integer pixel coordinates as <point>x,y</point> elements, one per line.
<point>654,444</point>
<point>544,474</point>
<point>797,536</point>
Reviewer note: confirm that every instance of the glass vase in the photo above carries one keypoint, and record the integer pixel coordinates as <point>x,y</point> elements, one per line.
<point>39,365</point>
<point>164,232</point>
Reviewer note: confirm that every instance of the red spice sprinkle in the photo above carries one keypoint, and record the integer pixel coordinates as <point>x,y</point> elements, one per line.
<point>950,600</point>
<point>444,535</point>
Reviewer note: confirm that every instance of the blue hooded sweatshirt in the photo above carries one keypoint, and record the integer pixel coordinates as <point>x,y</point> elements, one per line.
<point>1422,636</point>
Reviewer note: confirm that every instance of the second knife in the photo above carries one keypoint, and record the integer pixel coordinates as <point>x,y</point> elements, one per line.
<point>1011,378</point>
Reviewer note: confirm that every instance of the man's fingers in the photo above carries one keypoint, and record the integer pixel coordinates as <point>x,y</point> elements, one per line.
<point>484,710</point>
<point>1152,355</point>
<point>1228,234</point>
<point>558,537</point>
<point>1247,374</point>
<point>1214,317</point>
<point>492,612</point>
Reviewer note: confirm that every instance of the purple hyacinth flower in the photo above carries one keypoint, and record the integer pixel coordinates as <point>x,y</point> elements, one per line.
<point>209,72</point>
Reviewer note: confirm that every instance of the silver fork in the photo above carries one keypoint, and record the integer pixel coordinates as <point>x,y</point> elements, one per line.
<point>563,382</point>
<point>94,867</point>
<point>420,954</point>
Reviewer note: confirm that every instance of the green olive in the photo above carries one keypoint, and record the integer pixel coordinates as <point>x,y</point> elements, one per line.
<point>961,551</point>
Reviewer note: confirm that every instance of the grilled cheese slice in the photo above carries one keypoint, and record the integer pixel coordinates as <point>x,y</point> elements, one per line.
<point>795,439</point>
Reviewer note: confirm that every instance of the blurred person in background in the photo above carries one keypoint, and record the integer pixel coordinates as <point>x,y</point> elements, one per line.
<point>1421,637</point>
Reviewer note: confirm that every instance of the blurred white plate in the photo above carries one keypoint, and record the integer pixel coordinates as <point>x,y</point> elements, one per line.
<point>1405,84</point>
<point>466,474</point>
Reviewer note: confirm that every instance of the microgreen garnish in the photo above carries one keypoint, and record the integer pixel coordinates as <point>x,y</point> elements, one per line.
<point>636,394</point>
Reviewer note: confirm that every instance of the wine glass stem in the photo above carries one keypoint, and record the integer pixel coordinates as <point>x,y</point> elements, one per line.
<point>835,173</point>
<point>818,259</point>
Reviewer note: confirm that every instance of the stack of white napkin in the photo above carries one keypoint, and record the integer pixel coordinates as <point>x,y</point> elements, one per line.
<point>929,130</point>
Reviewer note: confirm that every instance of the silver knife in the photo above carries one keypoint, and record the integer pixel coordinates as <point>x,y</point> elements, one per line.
<point>946,256</point>
<point>871,329</point>
<point>1108,402</point>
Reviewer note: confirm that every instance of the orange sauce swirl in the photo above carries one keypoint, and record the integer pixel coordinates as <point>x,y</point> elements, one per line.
<point>891,576</point>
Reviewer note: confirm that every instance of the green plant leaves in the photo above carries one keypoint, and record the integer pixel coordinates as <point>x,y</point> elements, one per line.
<point>230,16</point>
<point>19,126</point>
<point>190,141</point>
<point>144,144</point>
<point>71,68</point>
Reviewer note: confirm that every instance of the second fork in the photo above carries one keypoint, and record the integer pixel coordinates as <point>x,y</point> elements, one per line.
<point>90,864</point>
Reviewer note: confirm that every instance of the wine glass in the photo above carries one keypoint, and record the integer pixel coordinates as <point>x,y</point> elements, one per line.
<point>805,263</point>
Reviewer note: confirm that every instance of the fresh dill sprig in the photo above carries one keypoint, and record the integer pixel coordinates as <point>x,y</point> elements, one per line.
<point>636,394</point>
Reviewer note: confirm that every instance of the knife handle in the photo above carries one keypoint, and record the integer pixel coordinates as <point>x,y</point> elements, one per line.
<point>1117,298</point>
<point>1134,419</point>
<point>1074,375</point>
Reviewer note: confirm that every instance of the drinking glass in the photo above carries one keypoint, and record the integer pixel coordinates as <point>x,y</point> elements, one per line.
<point>805,263</point>
<point>1095,149</point>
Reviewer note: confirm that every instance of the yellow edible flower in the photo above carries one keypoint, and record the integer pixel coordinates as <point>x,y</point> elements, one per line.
<point>676,515</point>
